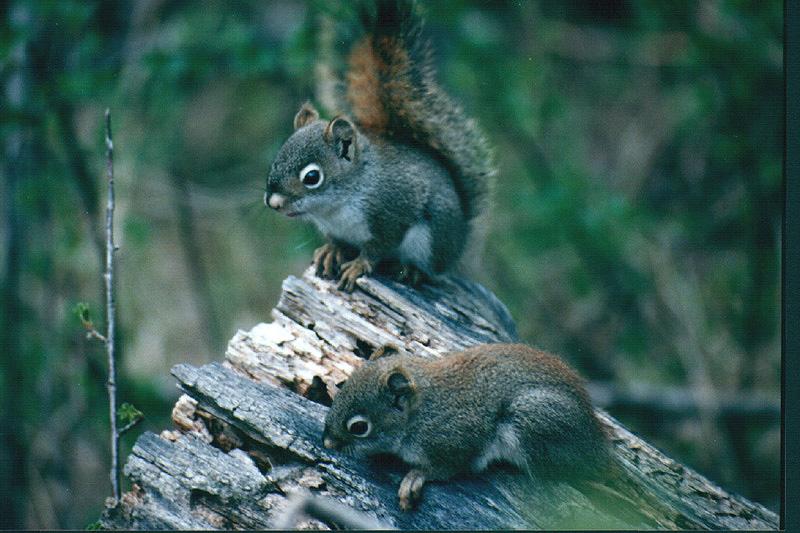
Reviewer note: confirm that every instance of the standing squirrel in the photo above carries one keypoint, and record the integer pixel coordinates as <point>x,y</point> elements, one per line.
<point>399,174</point>
<point>466,410</point>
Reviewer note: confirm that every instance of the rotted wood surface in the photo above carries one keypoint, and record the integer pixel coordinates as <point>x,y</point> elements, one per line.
<point>248,433</point>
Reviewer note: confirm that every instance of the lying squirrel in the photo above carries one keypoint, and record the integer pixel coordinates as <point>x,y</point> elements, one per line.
<point>494,402</point>
<point>399,175</point>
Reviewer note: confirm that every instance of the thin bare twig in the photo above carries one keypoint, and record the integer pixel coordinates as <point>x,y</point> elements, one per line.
<point>128,426</point>
<point>94,334</point>
<point>110,313</point>
<point>682,402</point>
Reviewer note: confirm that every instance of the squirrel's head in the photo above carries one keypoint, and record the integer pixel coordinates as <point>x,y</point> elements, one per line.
<point>312,167</point>
<point>370,412</point>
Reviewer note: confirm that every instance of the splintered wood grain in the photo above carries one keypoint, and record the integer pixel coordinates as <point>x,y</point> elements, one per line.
<point>246,438</point>
<point>320,331</point>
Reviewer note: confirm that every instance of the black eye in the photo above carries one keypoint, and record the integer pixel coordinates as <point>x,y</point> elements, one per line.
<point>311,176</point>
<point>359,426</point>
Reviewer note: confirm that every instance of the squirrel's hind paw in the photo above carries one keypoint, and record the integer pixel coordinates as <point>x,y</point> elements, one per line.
<point>351,271</point>
<point>411,276</point>
<point>410,491</point>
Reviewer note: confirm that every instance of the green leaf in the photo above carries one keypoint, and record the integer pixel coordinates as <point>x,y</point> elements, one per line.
<point>94,526</point>
<point>128,414</point>
<point>84,314</point>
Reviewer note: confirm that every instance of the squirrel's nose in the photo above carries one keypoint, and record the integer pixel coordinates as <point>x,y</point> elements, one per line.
<point>328,441</point>
<point>274,200</point>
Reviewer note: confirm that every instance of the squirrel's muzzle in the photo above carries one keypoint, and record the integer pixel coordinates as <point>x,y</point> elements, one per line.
<point>274,200</point>
<point>329,442</point>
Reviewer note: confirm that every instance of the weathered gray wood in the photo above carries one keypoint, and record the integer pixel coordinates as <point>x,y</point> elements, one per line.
<point>247,438</point>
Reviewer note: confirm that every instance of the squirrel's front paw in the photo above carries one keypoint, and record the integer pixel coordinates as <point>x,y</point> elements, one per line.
<point>327,259</point>
<point>351,271</point>
<point>411,489</point>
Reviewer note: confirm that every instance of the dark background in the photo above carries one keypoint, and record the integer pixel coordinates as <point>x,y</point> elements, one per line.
<point>636,228</point>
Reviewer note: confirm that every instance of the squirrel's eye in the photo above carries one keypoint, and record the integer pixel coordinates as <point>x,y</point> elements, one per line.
<point>359,426</point>
<point>311,176</point>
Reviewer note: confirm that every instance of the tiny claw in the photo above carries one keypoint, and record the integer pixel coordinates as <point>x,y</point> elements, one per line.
<point>351,271</point>
<point>331,263</point>
<point>316,259</point>
<point>327,259</point>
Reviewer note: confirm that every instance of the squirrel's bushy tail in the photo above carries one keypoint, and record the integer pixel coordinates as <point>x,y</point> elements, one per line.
<point>387,84</point>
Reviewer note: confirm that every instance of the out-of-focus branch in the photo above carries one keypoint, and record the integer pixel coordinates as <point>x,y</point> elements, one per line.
<point>193,258</point>
<point>16,168</point>
<point>681,401</point>
<point>79,167</point>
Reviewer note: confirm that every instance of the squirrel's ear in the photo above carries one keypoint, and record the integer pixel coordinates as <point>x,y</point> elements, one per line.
<point>401,387</point>
<point>306,115</point>
<point>341,133</point>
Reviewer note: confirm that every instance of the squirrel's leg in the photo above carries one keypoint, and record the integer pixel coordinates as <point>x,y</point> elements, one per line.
<point>371,253</point>
<point>327,259</point>
<point>448,232</point>
<point>387,232</point>
<point>410,492</point>
<point>554,434</point>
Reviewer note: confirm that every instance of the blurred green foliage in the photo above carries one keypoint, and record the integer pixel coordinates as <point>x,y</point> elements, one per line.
<point>635,231</point>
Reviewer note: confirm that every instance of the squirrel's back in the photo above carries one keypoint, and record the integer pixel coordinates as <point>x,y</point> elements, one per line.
<point>545,420</point>
<point>388,85</point>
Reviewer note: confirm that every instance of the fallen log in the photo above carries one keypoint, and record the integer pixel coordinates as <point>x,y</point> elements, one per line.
<point>248,432</point>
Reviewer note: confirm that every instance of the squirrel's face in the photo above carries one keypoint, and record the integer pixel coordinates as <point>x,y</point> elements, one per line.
<point>370,412</point>
<point>312,167</point>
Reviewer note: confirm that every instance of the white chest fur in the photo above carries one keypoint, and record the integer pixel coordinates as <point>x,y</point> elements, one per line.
<point>345,222</point>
